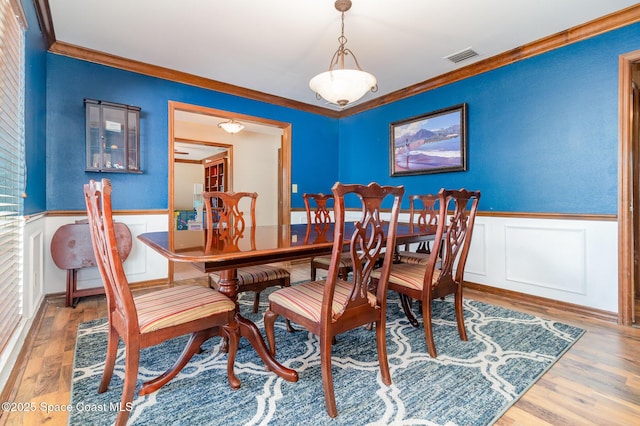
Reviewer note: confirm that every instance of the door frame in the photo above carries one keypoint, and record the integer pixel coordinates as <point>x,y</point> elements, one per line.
<point>628,164</point>
<point>284,165</point>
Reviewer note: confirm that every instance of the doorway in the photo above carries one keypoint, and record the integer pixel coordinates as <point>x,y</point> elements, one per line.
<point>635,155</point>
<point>204,135</point>
<point>629,189</point>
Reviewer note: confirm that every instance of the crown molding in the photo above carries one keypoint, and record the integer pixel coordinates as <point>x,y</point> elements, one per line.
<point>578,33</point>
<point>126,64</point>
<point>622,18</point>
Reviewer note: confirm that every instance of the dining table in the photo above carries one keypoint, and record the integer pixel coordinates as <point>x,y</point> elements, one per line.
<point>226,250</point>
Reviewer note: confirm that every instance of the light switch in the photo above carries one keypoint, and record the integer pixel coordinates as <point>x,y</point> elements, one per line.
<point>294,188</point>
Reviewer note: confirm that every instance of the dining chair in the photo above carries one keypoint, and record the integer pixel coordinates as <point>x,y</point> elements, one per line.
<point>444,272</point>
<point>151,318</point>
<point>332,306</point>
<point>321,215</point>
<point>423,211</point>
<point>226,209</point>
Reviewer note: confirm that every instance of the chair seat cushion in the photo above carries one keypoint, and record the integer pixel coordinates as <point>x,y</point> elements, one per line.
<point>178,305</point>
<point>407,275</point>
<point>256,274</point>
<point>413,257</point>
<point>306,299</point>
<point>345,260</point>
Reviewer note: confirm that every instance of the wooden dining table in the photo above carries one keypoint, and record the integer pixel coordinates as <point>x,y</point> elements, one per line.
<point>225,251</point>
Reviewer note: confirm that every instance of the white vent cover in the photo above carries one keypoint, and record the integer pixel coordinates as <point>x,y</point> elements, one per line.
<point>463,55</point>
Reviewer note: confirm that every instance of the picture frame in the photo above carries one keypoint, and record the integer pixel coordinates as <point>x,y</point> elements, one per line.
<point>435,142</point>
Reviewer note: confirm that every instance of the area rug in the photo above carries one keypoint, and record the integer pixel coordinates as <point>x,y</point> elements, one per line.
<point>469,383</point>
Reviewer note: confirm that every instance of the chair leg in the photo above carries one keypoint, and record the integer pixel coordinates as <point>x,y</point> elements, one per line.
<point>232,330</point>
<point>132,361</point>
<point>428,330</point>
<point>313,271</point>
<point>406,307</point>
<point>381,343</point>
<point>462,331</point>
<point>327,375</point>
<point>212,283</point>
<point>290,329</point>
<point>112,352</point>
<point>256,302</point>
<point>269,321</point>
<point>343,273</point>
<point>192,347</point>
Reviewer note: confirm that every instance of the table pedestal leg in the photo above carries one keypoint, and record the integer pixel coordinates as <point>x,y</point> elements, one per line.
<point>228,286</point>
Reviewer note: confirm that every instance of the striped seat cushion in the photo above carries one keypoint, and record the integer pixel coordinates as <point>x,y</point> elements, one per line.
<point>345,260</point>
<point>413,257</point>
<point>306,299</point>
<point>256,274</point>
<point>407,275</point>
<point>178,305</point>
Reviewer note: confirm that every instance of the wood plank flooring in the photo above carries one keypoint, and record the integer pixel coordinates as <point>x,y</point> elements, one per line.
<point>597,382</point>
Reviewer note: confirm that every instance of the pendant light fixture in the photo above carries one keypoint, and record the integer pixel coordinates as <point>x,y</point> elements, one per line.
<point>231,126</point>
<point>340,85</point>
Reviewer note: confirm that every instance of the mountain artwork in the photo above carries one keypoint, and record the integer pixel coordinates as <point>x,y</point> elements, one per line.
<point>430,143</point>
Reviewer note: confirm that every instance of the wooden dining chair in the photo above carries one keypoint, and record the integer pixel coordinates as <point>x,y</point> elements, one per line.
<point>225,208</point>
<point>450,249</point>
<point>320,214</point>
<point>423,211</point>
<point>332,306</point>
<point>151,318</point>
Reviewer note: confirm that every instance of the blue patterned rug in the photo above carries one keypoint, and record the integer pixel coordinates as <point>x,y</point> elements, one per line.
<point>470,383</point>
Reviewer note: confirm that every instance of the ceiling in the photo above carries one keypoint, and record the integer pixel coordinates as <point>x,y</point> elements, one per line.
<point>184,150</point>
<point>277,46</point>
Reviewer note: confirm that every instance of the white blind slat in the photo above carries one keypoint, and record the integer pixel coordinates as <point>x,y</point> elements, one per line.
<point>12,170</point>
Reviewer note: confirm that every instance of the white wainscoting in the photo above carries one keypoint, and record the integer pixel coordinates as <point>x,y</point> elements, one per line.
<point>573,261</point>
<point>33,248</point>
<point>143,264</point>
<point>33,268</point>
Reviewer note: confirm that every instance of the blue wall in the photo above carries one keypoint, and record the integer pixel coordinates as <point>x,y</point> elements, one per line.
<point>70,81</point>
<point>35,114</point>
<point>542,133</point>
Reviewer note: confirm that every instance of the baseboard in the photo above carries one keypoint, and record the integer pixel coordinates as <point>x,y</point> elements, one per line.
<point>133,286</point>
<point>545,302</point>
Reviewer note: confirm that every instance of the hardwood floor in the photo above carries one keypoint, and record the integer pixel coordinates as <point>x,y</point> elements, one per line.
<point>597,382</point>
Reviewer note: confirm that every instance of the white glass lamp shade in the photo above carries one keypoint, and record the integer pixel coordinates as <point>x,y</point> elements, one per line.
<point>231,126</point>
<point>342,86</point>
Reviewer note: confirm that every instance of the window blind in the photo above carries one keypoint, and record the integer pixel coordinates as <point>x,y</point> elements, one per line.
<point>12,169</point>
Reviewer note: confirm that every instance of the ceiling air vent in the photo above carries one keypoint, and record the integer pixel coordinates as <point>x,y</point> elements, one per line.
<point>463,55</point>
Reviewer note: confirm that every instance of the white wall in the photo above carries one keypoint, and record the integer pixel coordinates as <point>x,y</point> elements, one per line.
<point>573,261</point>
<point>255,169</point>
<point>255,163</point>
<point>185,175</point>
<point>141,265</point>
<point>33,252</point>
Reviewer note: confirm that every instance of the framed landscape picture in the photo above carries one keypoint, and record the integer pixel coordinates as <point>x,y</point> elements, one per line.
<point>435,142</point>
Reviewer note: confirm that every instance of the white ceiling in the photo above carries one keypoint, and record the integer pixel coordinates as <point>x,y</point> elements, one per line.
<point>209,124</point>
<point>276,46</point>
